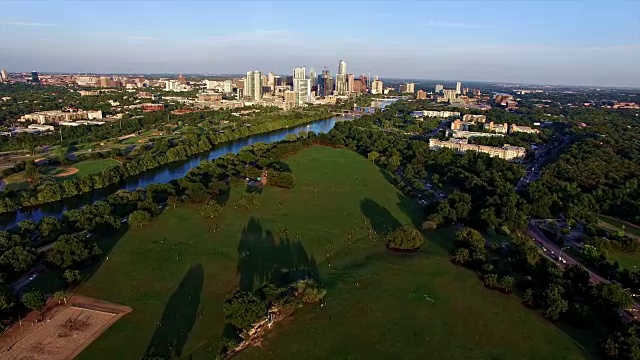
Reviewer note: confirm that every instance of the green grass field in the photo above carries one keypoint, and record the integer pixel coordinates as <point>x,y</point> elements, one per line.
<point>610,223</point>
<point>85,168</point>
<point>629,261</point>
<point>176,271</point>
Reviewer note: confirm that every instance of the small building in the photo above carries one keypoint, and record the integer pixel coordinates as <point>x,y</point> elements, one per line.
<point>41,127</point>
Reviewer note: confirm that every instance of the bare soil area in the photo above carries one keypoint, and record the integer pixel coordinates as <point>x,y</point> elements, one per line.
<point>60,332</point>
<point>68,172</point>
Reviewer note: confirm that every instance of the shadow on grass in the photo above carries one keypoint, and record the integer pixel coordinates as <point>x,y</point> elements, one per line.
<point>179,316</point>
<point>381,219</point>
<point>265,258</point>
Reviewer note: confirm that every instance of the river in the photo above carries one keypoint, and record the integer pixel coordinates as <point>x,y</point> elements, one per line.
<point>161,174</point>
<point>164,173</point>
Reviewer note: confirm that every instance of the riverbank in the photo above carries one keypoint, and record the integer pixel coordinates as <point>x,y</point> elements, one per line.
<point>163,173</point>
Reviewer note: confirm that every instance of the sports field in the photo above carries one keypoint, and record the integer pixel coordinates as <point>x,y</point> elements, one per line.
<point>176,271</point>
<point>82,168</point>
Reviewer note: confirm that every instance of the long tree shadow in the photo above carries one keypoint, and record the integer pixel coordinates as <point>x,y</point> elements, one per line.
<point>178,317</point>
<point>381,219</point>
<point>265,258</point>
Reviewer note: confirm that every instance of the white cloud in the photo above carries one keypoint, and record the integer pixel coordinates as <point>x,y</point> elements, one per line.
<point>24,23</point>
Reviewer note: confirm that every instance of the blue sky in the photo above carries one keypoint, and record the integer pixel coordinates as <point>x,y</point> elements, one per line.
<point>553,42</point>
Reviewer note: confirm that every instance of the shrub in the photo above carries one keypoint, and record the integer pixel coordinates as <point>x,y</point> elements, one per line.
<point>404,238</point>
<point>34,300</point>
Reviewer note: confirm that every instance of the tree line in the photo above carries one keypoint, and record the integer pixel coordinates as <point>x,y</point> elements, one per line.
<point>165,152</point>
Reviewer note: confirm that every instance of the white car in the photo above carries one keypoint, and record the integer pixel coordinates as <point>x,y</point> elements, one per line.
<point>32,277</point>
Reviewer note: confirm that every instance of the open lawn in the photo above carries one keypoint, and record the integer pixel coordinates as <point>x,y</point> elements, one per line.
<point>84,168</point>
<point>629,261</point>
<point>176,271</point>
<point>610,223</point>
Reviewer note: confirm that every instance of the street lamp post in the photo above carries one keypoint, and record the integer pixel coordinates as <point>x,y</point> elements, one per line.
<point>561,249</point>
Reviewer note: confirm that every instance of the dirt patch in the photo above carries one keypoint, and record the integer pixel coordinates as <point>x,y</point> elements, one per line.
<point>63,332</point>
<point>67,172</point>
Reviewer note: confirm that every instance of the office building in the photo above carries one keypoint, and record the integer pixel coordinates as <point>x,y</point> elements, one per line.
<point>34,77</point>
<point>458,88</point>
<point>313,76</point>
<point>360,85</point>
<point>57,116</point>
<point>439,88</point>
<point>302,90</point>
<point>350,79</point>
<point>460,146</point>
<point>523,129</point>
<point>498,128</point>
<point>271,80</point>
<point>421,95</point>
<point>253,85</point>
<point>342,67</point>
<point>325,83</point>
<point>471,134</point>
<point>377,87</point>
<point>449,95</point>
<point>341,84</point>
<point>299,73</point>
<point>435,113</point>
<point>407,88</point>
<point>474,118</point>
<point>4,76</point>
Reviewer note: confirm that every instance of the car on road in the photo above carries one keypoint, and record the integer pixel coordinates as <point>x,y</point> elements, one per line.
<point>33,276</point>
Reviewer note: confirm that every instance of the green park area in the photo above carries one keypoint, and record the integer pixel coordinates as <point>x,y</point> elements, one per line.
<point>18,181</point>
<point>626,260</point>
<point>613,224</point>
<point>176,272</point>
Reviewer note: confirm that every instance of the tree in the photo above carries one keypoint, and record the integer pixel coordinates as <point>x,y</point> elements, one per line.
<point>72,250</point>
<point>242,309</point>
<point>7,299</point>
<point>211,210</point>
<point>308,291</point>
<point>404,238</point>
<point>623,345</point>
<point>31,170</point>
<point>34,300</point>
<point>60,296</point>
<point>554,304</point>
<point>461,255</point>
<point>373,156</point>
<point>173,201</point>
<point>508,283</point>
<point>71,276</point>
<point>490,280</point>
<point>139,218</point>
<point>19,258</point>
<point>528,297</point>
<point>611,298</point>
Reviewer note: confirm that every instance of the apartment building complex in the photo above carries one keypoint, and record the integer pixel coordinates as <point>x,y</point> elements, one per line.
<point>58,116</point>
<point>433,113</point>
<point>506,152</point>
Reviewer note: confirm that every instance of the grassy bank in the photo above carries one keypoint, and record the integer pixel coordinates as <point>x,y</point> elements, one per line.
<point>176,271</point>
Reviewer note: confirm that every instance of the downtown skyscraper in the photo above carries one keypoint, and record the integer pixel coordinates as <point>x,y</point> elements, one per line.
<point>341,78</point>
<point>253,85</point>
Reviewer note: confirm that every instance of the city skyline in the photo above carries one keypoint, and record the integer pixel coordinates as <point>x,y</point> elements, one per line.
<point>549,45</point>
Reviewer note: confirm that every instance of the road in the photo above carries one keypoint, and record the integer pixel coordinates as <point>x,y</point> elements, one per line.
<point>31,274</point>
<point>554,251</point>
<point>534,169</point>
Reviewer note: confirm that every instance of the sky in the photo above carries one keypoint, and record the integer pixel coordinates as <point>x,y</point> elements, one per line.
<point>593,43</point>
